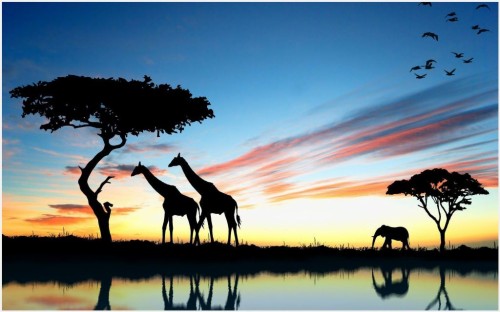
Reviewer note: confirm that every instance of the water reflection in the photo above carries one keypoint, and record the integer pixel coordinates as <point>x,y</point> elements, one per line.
<point>390,287</point>
<point>190,288</point>
<point>103,298</point>
<point>441,292</point>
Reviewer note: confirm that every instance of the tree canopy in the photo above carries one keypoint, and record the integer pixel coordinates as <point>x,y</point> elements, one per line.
<point>117,106</point>
<point>450,192</point>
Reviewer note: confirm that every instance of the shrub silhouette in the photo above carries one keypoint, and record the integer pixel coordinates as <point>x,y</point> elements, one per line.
<point>117,108</point>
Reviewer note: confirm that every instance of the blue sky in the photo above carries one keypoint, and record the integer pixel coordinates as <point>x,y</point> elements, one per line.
<point>315,105</point>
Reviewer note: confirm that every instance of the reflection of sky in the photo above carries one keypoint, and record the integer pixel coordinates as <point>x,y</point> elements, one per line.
<point>302,291</point>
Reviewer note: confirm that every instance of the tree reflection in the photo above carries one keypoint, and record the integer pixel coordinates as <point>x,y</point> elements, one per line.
<point>390,287</point>
<point>103,298</point>
<point>441,293</point>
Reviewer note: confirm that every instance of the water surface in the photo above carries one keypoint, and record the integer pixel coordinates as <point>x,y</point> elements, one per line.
<point>360,289</point>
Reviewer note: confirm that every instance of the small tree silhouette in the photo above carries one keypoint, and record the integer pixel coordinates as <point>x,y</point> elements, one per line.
<point>117,108</point>
<point>450,192</point>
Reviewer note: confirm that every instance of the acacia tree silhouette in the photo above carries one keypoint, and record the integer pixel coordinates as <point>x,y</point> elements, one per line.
<point>450,192</point>
<point>117,108</point>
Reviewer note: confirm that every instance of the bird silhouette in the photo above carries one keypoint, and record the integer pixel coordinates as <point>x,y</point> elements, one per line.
<point>468,61</point>
<point>453,19</point>
<point>451,14</point>
<point>429,66</point>
<point>431,35</point>
<point>475,27</point>
<point>430,62</point>
<point>483,6</point>
<point>425,3</point>
<point>415,68</point>
<point>450,73</point>
<point>420,76</point>
<point>458,55</point>
<point>482,30</point>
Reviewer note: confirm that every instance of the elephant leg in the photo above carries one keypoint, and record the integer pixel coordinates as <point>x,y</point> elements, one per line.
<point>164,227</point>
<point>209,221</point>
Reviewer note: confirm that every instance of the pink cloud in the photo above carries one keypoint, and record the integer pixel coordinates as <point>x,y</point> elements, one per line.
<point>50,219</point>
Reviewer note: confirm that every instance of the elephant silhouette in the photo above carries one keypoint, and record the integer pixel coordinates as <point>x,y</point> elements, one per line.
<point>392,233</point>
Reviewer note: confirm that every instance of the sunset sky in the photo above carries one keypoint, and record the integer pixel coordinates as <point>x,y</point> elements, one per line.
<point>316,113</point>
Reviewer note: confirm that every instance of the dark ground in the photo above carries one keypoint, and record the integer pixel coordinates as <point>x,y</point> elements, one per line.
<point>69,259</point>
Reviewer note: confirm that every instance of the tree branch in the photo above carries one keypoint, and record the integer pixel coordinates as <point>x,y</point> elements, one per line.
<point>102,184</point>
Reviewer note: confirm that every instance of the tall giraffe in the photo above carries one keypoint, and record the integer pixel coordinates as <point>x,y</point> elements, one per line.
<point>174,204</point>
<point>212,201</point>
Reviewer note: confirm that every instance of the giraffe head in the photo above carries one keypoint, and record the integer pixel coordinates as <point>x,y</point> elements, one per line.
<point>177,161</point>
<point>138,169</point>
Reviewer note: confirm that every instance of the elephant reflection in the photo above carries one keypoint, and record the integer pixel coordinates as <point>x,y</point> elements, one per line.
<point>233,296</point>
<point>392,233</point>
<point>389,287</point>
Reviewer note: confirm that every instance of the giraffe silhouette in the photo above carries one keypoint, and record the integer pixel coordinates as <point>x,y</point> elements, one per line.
<point>175,203</point>
<point>212,201</point>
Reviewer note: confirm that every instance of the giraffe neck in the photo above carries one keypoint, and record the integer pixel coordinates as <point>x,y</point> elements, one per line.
<point>200,185</point>
<point>160,187</point>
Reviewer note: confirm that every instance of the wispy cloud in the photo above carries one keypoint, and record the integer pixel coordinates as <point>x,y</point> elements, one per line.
<point>117,171</point>
<point>50,219</point>
<point>85,209</point>
<point>428,120</point>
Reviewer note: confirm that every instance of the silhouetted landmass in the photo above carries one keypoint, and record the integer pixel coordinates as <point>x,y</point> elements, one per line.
<point>69,259</point>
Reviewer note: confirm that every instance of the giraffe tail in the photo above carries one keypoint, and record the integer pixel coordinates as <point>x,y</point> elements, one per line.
<point>238,220</point>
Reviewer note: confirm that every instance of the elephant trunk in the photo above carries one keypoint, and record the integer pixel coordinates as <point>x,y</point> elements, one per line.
<point>374,238</point>
<point>377,233</point>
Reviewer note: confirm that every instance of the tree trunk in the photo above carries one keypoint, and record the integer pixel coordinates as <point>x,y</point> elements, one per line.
<point>104,228</point>
<point>443,240</point>
<point>101,215</point>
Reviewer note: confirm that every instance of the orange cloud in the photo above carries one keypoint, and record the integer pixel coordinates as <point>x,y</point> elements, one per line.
<point>49,219</point>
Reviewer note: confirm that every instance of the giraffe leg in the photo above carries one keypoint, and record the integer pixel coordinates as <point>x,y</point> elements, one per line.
<point>164,227</point>
<point>192,226</point>
<point>171,226</point>
<point>198,227</point>
<point>209,220</point>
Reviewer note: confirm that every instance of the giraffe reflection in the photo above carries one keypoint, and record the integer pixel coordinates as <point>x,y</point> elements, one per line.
<point>193,294</point>
<point>196,300</point>
<point>233,296</point>
<point>389,287</point>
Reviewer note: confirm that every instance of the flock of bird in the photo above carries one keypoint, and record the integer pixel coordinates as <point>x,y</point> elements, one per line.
<point>452,18</point>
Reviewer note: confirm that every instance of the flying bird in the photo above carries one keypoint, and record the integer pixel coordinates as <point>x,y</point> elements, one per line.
<point>475,27</point>
<point>482,30</point>
<point>425,3</point>
<point>420,76</point>
<point>450,73</point>
<point>468,61</point>
<point>429,62</point>
<point>453,19</point>
<point>451,14</point>
<point>483,6</point>
<point>458,55</point>
<point>430,34</point>
<point>415,68</point>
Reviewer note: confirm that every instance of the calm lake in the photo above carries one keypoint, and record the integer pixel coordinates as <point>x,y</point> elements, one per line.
<point>363,288</point>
